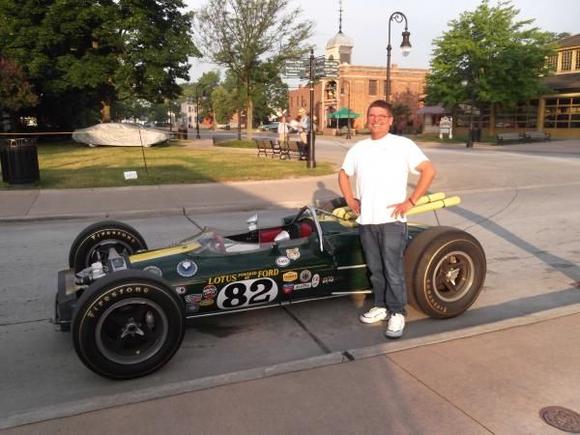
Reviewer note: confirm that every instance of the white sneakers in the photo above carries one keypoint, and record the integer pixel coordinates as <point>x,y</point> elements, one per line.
<point>396,325</point>
<point>374,315</point>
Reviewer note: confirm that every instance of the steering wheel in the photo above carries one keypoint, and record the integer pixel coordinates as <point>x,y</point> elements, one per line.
<point>298,215</point>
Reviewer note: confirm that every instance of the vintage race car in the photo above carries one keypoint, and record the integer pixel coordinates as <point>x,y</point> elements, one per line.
<point>126,305</point>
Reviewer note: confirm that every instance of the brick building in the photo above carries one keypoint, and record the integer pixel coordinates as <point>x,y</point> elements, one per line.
<point>355,87</point>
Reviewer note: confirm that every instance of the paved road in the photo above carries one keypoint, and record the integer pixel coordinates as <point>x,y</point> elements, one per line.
<point>511,202</point>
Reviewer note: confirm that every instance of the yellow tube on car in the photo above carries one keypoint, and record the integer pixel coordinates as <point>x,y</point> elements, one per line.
<point>430,198</point>
<point>435,205</point>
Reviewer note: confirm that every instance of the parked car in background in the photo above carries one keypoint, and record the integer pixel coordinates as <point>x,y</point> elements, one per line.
<point>273,127</point>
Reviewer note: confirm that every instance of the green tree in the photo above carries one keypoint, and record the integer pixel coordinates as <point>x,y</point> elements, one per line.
<point>488,57</point>
<point>270,93</point>
<point>15,90</point>
<point>82,52</point>
<point>240,34</point>
<point>224,104</point>
<point>203,88</point>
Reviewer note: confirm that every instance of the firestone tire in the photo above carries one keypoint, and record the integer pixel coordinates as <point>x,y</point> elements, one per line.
<point>128,324</point>
<point>445,270</point>
<point>93,243</point>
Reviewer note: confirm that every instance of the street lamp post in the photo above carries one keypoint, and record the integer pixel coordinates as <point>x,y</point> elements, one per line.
<point>469,143</point>
<point>345,82</point>
<point>197,136</point>
<point>398,17</point>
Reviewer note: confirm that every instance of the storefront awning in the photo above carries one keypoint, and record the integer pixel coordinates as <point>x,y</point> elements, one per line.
<point>343,112</point>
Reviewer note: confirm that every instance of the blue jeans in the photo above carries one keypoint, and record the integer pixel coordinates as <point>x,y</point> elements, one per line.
<point>384,247</point>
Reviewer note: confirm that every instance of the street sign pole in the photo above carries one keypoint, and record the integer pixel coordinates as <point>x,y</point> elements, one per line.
<point>311,160</point>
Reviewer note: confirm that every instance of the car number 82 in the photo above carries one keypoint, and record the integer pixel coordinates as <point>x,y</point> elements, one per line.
<point>247,293</point>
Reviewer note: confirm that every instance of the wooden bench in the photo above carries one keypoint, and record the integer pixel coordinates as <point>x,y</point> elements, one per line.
<point>290,149</point>
<point>536,135</point>
<point>502,138</point>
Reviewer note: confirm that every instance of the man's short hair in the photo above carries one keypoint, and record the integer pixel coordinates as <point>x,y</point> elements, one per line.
<point>382,104</point>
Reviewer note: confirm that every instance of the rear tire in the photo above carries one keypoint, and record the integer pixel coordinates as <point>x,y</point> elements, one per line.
<point>93,243</point>
<point>128,324</point>
<point>445,270</point>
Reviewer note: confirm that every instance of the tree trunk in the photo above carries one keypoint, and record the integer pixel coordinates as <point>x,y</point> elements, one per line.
<point>249,110</point>
<point>106,110</point>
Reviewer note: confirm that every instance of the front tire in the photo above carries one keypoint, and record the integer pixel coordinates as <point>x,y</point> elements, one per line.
<point>93,243</point>
<point>445,270</point>
<point>128,324</point>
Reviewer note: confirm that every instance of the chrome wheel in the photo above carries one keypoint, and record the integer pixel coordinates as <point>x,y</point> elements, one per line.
<point>453,276</point>
<point>131,331</point>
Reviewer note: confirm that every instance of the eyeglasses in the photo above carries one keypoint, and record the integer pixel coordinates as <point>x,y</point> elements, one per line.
<point>380,117</point>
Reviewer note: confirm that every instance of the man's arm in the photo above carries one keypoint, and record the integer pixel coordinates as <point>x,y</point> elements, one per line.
<point>427,173</point>
<point>346,189</point>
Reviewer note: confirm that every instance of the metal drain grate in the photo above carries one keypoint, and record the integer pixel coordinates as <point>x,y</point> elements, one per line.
<point>561,418</point>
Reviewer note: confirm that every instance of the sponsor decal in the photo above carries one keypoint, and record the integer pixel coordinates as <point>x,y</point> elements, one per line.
<point>153,269</point>
<point>206,302</point>
<point>293,253</point>
<point>328,279</point>
<point>282,261</point>
<point>209,291</point>
<point>315,280</point>
<point>192,299</point>
<point>302,286</point>
<point>242,276</point>
<point>247,293</point>
<point>305,275</point>
<point>187,268</point>
<point>290,276</point>
<point>287,288</point>
<point>180,290</point>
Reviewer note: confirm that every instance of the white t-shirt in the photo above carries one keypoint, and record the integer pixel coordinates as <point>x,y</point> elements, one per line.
<point>382,168</point>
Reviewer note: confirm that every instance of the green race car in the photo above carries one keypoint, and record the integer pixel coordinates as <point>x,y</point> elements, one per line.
<point>126,305</point>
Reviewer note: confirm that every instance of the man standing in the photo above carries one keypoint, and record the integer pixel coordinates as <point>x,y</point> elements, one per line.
<point>381,165</point>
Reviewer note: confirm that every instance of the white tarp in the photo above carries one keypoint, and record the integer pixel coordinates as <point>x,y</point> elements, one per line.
<point>121,135</point>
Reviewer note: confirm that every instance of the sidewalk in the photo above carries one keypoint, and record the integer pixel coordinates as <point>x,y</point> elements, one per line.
<point>139,201</point>
<point>494,379</point>
<point>491,383</point>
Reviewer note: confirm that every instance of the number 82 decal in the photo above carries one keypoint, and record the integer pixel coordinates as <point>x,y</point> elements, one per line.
<point>247,293</point>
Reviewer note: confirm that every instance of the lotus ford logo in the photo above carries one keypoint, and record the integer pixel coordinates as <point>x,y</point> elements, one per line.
<point>187,268</point>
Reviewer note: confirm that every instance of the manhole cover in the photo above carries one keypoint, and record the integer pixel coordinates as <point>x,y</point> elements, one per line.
<point>561,418</point>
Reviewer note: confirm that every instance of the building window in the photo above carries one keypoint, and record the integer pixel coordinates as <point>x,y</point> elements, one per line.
<point>566,60</point>
<point>373,87</point>
<point>552,62</point>
<point>562,112</point>
<point>577,60</point>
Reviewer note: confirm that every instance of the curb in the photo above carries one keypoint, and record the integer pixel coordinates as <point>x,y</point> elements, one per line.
<point>153,393</point>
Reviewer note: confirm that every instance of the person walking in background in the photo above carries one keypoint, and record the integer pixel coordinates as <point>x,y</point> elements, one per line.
<point>381,166</point>
<point>283,130</point>
<point>301,136</point>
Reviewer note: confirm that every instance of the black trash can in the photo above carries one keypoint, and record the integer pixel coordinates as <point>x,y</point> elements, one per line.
<point>4,161</point>
<point>19,163</point>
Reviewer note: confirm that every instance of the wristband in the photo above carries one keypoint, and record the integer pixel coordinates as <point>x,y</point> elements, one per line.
<point>412,202</point>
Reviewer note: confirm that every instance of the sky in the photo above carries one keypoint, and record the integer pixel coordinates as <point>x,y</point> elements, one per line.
<point>366,23</point>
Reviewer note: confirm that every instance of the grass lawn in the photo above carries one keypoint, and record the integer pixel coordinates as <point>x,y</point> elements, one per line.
<point>72,165</point>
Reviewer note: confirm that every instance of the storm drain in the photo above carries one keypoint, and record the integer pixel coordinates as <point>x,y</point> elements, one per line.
<point>561,418</point>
